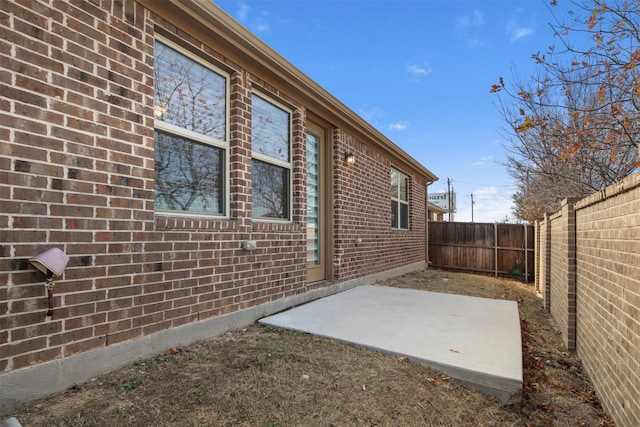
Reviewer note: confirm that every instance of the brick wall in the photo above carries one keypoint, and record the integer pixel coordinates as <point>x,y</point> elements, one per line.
<point>543,260</point>
<point>562,288</point>
<point>608,286</point>
<point>363,211</point>
<point>605,281</point>
<point>77,172</point>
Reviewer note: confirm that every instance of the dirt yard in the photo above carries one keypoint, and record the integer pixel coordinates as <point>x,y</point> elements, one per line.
<point>271,377</point>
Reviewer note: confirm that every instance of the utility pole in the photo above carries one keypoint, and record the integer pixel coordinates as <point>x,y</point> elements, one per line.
<point>453,205</point>
<point>449,198</point>
<point>472,202</point>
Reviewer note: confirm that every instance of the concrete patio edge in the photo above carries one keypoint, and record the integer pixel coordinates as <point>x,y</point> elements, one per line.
<point>475,340</point>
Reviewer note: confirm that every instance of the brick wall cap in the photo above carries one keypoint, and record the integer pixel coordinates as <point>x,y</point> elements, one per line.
<point>626,184</point>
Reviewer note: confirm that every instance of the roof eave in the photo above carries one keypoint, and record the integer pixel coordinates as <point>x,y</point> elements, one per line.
<point>248,50</point>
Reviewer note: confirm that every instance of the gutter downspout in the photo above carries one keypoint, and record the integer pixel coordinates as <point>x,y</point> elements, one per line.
<point>426,225</point>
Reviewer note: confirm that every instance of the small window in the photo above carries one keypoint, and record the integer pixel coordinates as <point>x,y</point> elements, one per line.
<point>190,103</point>
<point>271,160</point>
<point>399,200</point>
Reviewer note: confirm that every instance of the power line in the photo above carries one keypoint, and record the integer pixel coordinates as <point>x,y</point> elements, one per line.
<point>483,185</point>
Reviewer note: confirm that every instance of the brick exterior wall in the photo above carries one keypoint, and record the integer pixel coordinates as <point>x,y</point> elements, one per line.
<point>362,214</point>
<point>606,290</point>
<point>77,172</point>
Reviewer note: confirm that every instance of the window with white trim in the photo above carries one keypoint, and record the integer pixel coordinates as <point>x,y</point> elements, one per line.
<point>190,108</point>
<point>399,200</point>
<point>271,159</point>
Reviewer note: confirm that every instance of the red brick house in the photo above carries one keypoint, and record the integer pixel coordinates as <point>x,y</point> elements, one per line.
<point>195,179</point>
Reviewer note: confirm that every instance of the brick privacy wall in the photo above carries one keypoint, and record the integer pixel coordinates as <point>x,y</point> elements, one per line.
<point>363,211</point>
<point>76,172</point>
<point>608,288</point>
<point>537,248</point>
<point>606,284</point>
<point>543,260</point>
<point>562,272</point>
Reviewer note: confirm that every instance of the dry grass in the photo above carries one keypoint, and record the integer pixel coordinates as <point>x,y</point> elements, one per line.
<point>271,377</point>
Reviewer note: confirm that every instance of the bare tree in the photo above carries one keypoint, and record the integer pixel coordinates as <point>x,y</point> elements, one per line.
<point>573,126</point>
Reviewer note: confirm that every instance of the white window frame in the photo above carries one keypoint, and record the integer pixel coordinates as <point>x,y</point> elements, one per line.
<point>276,162</point>
<point>195,136</point>
<point>396,198</point>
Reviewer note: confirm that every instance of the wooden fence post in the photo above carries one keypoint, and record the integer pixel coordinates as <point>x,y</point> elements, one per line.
<point>495,247</point>
<point>526,254</point>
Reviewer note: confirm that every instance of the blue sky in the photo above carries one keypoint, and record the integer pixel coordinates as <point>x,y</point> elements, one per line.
<point>420,72</point>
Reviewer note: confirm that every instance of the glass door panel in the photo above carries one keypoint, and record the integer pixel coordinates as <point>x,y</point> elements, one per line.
<point>316,206</point>
<point>313,205</point>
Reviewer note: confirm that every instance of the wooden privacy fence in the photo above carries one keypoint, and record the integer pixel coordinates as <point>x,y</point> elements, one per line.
<point>500,249</point>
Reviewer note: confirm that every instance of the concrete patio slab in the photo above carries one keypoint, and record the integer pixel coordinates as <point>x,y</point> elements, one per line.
<point>476,340</point>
